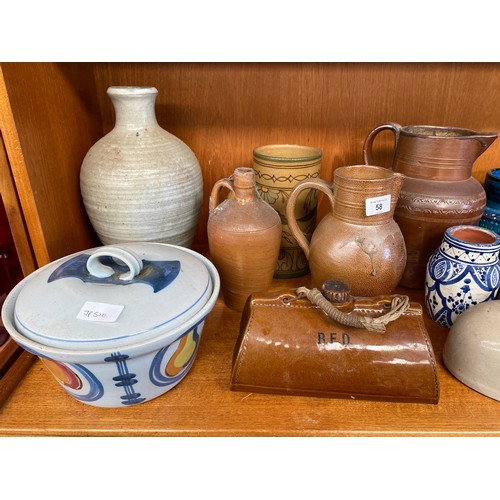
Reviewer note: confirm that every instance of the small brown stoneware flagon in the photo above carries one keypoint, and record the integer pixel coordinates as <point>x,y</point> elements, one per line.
<point>438,191</point>
<point>357,242</point>
<point>244,237</point>
<point>287,345</point>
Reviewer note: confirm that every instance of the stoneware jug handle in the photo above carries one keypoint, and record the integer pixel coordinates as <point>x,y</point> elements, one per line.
<point>318,184</point>
<point>214,195</point>
<point>368,145</point>
<point>96,268</point>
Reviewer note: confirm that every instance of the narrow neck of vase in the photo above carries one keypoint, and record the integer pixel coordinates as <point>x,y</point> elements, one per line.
<point>134,106</point>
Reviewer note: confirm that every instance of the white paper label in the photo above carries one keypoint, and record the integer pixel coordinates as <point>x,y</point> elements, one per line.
<point>98,311</point>
<point>378,205</point>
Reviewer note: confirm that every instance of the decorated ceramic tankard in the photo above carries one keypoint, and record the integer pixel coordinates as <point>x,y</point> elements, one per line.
<point>278,169</point>
<point>358,241</point>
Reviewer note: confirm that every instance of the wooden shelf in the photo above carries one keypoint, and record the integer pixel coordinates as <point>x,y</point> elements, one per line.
<point>203,405</point>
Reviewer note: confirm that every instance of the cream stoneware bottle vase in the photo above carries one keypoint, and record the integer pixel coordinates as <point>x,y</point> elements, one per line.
<point>244,237</point>
<point>140,182</point>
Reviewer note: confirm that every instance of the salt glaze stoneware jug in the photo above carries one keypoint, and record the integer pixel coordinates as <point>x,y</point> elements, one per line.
<point>462,272</point>
<point>491,215</point>
<point>244,237</point>
<point>140,182</point>
<point>357,242</point>
<point>438,191</point>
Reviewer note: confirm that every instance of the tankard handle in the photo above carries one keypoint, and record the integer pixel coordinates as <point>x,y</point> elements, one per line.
<point>368,145</point>
<point>318,184</point>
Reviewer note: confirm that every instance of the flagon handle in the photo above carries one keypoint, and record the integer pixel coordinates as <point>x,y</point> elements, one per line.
<point>241,184</point>
<point>318,184</point>
<point>214,195</point>
<point>368,144</point>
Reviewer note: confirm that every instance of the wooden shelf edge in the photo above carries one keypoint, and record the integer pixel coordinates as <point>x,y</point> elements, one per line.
<point>15,374</point>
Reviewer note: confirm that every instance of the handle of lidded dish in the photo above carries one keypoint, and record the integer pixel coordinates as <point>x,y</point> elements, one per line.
<point>96,268</point>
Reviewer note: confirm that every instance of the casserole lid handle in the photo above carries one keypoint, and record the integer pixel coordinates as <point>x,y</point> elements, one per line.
<point>100,270</point>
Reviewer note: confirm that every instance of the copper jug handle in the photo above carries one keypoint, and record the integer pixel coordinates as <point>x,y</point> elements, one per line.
<point>368,145</point>
<point>318,184</point>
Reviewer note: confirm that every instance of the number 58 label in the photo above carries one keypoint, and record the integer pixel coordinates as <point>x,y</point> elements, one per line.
<point>378,205</point>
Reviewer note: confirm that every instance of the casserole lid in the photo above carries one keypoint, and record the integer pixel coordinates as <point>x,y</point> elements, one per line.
<point>112,296</point>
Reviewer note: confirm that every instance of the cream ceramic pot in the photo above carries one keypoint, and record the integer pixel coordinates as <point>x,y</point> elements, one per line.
<point>472,348</point>
<point>116,325</point>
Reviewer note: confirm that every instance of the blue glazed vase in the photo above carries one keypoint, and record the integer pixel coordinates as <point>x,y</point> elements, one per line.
<point>462,272</point>
<point>491,215</point>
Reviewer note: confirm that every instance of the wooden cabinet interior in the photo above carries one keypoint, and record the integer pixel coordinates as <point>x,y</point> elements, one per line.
<point>48,118</point>
<point>52,113</point>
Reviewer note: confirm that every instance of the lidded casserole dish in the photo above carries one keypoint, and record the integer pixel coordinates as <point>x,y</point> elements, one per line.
<point>116,325</point>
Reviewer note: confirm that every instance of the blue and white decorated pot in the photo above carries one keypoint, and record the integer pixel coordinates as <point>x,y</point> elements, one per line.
<point>116,325</point>
<point>463,272</point>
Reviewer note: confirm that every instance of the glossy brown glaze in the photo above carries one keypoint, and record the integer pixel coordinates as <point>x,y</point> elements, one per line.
<point>438,191</point>
<point>244,236</point>
<point>291,347</point>
<point>367,252</point>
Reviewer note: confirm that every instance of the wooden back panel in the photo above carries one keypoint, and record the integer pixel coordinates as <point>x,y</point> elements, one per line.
<point>222,111</point>
<point>48,121</point>
<point>52,113</point>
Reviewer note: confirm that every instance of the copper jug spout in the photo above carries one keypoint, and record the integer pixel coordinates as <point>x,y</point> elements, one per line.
<point>485,139</point>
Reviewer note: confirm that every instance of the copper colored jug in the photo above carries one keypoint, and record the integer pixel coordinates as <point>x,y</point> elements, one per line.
<point>357,242</point>
<point>244,237</point>
<point>438,191</point>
